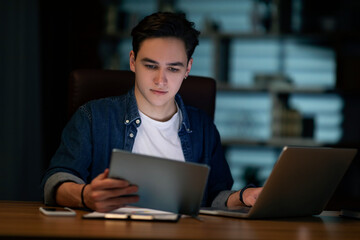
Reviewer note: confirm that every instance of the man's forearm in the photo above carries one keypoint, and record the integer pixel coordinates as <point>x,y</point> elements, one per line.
<point>69,194</point>
<point>233,200</point>
<point>53,183</point>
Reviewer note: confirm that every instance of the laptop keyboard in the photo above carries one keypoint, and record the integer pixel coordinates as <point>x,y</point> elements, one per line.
<point>234,209</point>
<point>239,210</point>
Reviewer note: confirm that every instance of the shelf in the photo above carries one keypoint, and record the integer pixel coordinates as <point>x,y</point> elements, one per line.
<point>242,35</point>
<point>225,87</point>
<point>273,142</point>
<point>328,37</point>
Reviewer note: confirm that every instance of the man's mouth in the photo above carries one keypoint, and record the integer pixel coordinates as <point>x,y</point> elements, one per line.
<point>158,92</point>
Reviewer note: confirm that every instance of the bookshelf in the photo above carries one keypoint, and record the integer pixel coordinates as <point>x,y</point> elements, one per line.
<point>272,79</point>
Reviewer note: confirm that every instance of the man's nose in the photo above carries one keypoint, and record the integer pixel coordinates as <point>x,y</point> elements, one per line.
<point>160,79</point>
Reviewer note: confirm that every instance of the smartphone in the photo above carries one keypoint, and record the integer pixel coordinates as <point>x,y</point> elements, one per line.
<point>57,211</point>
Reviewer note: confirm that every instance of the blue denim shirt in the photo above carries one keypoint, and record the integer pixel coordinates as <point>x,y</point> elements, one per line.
<point>99,126</point>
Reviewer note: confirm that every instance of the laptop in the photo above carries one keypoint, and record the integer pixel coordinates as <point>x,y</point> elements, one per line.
<point>164,184</point>
<point>301,183</point>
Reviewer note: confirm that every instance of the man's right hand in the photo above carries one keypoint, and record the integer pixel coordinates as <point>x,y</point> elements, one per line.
<point>105,194</point>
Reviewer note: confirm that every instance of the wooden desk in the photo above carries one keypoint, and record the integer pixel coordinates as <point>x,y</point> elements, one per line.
<point>23,220</point>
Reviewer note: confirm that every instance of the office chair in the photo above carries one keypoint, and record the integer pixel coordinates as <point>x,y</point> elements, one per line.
<point>89,84</point>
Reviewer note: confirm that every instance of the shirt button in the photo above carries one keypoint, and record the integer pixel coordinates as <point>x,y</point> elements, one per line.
<point>127,121</point>
<point>137,121</point>
<point>131,135</point>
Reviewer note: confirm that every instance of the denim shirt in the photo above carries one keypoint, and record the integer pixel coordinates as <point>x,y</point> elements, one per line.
<point>101,125</point>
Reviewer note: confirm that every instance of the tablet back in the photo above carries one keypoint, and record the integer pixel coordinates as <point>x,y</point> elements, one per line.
<point>164,184</point>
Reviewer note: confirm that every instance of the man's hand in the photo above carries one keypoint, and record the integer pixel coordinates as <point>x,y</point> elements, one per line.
<point>250,196</point>
<point>104,194</point>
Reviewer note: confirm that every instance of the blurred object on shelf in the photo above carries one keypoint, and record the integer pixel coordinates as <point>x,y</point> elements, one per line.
<point>287,122</point>
<point>271,81</point>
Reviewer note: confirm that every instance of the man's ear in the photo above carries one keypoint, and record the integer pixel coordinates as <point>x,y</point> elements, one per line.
<point>188,67</point>
<point>132,60</point>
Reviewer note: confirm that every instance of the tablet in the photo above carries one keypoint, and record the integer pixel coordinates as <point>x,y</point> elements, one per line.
<point>164,184</point>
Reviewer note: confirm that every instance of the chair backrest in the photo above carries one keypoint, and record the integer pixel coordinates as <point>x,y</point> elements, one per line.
<point>89,84</point>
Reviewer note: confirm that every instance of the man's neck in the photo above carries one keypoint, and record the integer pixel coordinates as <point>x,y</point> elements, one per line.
<point>159,113</point>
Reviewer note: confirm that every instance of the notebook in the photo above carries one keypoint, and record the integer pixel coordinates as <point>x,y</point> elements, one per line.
<point>300,184</point>
<point>164,184</point>
<point>134,213</point>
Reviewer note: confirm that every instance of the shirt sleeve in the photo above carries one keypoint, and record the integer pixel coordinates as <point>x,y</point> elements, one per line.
<point>72,159</point>
<point>221,199</point>
<point>54,181</point>
<point>220,179</point>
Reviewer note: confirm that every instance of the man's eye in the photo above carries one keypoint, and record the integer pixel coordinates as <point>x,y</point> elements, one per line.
<point>173,69</point>
<point>150,66</point>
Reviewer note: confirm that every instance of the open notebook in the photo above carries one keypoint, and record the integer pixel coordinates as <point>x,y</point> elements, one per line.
<point>300,184</point>
<point>131,213</point>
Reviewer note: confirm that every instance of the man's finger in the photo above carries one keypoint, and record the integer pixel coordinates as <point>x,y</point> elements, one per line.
<point>103,195</point>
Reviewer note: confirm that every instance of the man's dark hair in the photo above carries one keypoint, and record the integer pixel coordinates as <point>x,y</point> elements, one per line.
<point>166,24</point>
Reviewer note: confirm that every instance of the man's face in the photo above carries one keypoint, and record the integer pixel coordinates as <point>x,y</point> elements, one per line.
<point>160,67</point>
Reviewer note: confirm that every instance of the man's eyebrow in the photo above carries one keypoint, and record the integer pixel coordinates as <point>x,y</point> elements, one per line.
<point>176,64</point>
<point>149,60</point>
<point>169,64</point>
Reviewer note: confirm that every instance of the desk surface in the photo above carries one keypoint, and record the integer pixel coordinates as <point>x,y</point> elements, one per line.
<point>23,220</point>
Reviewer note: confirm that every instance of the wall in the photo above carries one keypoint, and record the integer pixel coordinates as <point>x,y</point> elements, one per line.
<point>20,127</point>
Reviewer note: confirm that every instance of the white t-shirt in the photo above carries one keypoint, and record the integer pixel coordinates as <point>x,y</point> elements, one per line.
<point>159,139</point>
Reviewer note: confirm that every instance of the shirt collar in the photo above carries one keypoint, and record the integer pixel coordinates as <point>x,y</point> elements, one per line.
<point>132,113</point>
<point>184,116</point>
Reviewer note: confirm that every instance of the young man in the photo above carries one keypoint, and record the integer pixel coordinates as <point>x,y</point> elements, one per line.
<point>151,119</point>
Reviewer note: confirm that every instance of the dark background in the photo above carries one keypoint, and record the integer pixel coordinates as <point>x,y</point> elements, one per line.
<point>43,41</point>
